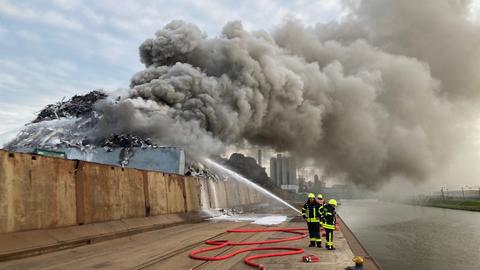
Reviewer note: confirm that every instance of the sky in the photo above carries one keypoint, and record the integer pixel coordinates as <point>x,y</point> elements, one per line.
<point>50,50</point>
<point>54,49</point>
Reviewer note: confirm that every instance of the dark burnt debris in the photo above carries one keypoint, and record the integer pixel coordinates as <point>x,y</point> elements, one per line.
<point>249,168</point>
<point>77,106</point>
<point>244,165</point>
<point>194,170</point>
<point>126,141</point>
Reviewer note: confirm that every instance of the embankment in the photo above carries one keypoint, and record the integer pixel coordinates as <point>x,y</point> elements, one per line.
<point>38,192</point>
<point>469,205</point>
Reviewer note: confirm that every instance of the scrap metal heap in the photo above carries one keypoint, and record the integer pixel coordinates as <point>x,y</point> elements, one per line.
<point>63,124</point>
<point>127,141</point>
<point>78,105</point>
<point>199,170</point>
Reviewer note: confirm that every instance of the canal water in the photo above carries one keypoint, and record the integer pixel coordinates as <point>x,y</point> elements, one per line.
<point>414,237</point>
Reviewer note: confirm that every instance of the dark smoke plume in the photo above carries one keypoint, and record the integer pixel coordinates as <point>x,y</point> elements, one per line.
<point>381,94</point>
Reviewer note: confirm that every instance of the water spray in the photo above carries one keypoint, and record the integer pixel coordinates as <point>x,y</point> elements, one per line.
<point>244,180</point>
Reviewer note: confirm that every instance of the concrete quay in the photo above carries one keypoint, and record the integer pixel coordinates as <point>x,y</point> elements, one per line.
<point>169,247</point>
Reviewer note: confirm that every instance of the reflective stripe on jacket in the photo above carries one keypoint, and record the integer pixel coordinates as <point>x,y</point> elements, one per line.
<point>329,217</point>
<point>322,214</point>
<point>311,212</point>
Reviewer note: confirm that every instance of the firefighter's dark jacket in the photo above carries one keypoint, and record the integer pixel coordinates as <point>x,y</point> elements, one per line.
<point>329,217</point>
<point>311,211</point>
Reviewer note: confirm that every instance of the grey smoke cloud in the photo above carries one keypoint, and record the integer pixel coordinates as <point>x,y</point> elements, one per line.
<point>435,32</point>
<point>371,98</point>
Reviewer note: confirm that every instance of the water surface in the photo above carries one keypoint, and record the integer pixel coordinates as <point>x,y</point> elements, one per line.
<point>414,237</point>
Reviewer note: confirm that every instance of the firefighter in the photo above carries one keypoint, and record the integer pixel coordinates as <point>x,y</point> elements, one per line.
<point>311,214</point>
<point>320,199</point>
<point>320,220</point>
<point>329,220</point>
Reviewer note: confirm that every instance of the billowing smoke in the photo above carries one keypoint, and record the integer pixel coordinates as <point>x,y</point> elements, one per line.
<point>381,94</point>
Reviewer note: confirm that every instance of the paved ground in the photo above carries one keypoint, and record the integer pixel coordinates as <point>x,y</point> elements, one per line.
<point>168,248</point>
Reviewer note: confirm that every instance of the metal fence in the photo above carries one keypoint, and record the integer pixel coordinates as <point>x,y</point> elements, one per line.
<point>462,194</point>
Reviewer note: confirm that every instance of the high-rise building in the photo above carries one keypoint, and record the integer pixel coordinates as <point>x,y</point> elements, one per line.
<point>292,172</point>
<point>309,185</point>
<point>259,157</point>
<point>273,170</point>
<point>319,185</point>
<point>283,171</point>
<point>278,176</point>
<point>302,185</point>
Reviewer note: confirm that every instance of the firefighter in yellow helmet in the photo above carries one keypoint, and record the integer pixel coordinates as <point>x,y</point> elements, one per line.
<point>320,199</point>
<point>329,220</point>
<point>311,214</point>
<point>322,203</point>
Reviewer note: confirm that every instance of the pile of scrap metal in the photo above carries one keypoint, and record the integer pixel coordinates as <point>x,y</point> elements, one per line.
<point>127,141</point>
<point>76,106</point>
<point>64,124</point>
<point>199,170</point>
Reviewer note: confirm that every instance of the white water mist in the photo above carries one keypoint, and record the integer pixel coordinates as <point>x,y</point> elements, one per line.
<point>244,180</point>
<point>205,199</point>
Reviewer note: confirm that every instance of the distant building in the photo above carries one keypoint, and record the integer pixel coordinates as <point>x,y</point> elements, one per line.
<point>316,181</point>
<point>273,170</point>
<point>259,157</point>
<point>283,171</point>
<point>302,185</point>
<point>285,174</point>
<point>292,172</point>
<point>309,186</point>
<point>321,184</point>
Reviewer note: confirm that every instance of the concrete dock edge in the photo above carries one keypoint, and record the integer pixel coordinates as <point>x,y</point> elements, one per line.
<point>357,247</point>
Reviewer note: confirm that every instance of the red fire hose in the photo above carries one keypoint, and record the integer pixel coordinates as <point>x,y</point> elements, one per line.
<point>217,244</point>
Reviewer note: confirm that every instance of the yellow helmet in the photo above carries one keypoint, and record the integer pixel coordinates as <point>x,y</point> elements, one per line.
<point>358,259</point>
<point>311,195</point>
<point>332,202</point>
<point>320,196</point>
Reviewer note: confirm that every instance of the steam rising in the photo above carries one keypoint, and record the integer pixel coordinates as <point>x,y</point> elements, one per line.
<point>370,98</point>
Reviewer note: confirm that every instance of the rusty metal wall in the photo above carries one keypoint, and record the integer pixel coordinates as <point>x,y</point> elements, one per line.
<point>42,192</point>
<point>35,192</point>
<point>109,193</point>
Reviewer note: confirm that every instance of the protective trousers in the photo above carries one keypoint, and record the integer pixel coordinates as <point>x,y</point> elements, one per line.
<point>329,236</point>
<point>314,231</point>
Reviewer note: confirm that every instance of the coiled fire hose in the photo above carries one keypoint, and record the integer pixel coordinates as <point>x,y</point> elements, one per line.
<point>217,244</point>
